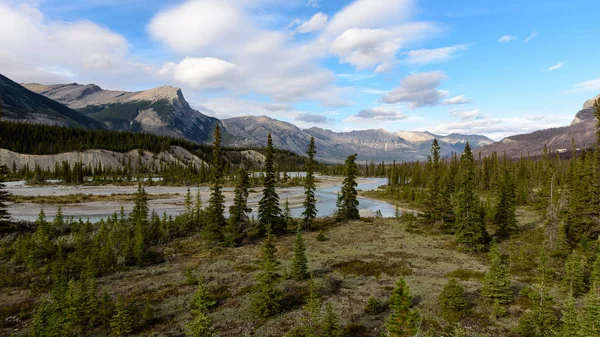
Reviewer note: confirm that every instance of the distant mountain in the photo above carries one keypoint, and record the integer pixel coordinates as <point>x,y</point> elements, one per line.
<point>336,146</point>
<point>18,103</point>
<point>162,110</point>
<point>582,130</point>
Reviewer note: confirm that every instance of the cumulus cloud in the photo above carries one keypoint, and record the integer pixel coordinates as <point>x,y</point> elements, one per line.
<point>35,48</point>
<point>557,66</point>
<point>457,100</point>
<point>316,23</point>
<point>418,90</point>
<point>202,73</point>
<point>380,114</point>
<point>531,37</point>
<point>507,38</point>
<point>591,85</point>
<point>425,56</point>
<point>312,118</point>
<point>466,115</point>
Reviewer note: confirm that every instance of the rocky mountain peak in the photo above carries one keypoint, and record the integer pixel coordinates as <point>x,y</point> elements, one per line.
<point>167,93</point>
<point>590,103</point>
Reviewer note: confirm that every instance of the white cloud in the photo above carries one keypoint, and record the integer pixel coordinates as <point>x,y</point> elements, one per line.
<point>370,14</point>
<point>418,90</point>
<point>531,37</point>
<point>591,85</point>
<point>424,56</point>
<point>316,23</point>
<point>202,73</point>
<point>466,115</point>
<point>380,114</point>
<point>278,107</point>
<point>557,66</point>
<point>35,48</point>
<point>507,38</point>
<point>498,128</point>
<point>457,100</point>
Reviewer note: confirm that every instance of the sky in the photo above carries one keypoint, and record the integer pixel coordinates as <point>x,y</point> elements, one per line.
<point>487,67</point>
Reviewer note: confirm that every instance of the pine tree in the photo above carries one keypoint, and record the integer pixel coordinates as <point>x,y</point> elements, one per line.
<point>311,307</point>
<point>570,319</point>
<point>505,217</point>
<point>591,315</point>
<point>433,204</point>
<point>201,324</point>
<point>122,323</point>
<point>238,212</point>
<point>347,200</point>
<point>403,321</point>
<point>331,324</point>
<point>267,298</point>
<point>215,218</point>
<point>496,284</point>
<point>269,212</point>
<point>573,280</point>
<point>4,196</point>
<point>452,300</point>
<point>299,261</point>
<point>310,201</point>
<point>139,217</point>
<point>470,229</point>
<point>595,276</point>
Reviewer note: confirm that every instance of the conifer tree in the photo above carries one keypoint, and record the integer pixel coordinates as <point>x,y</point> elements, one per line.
<point>505,217</point>
<point>452,300</point>
<point>121,323</point>
<point>266,300</point>
<point>299,261</point>
<point>269,212</point>
<point>347,200</point>
<point>403,321</point>
<point>331,325</point>
<point>496,284</point>
<point>591,315</point>
<point>312,307</point>
<point>139,217</point>
<point>215,218</point>
<point>310,201</point>
<point>433,203</point>
<point>238,212</point>
<point>573,280</point>
<point>470,229</point>
<point>570,319</point>
<point>595,276</point>
<point>187,202</point>
<point>4,195</point>
<point>201,324</point>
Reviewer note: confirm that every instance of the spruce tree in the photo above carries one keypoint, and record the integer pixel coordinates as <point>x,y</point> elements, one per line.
<point>4,195</point>
<point>215,218</point>
<point>505,217</point>
<point>347,200</point>
<point>299,261</point>
<point>452,300</point>
<point>139,217</point>
<point>595,276</point>
<point>121,323</point>
<point>591,315</point>
<point>201,324</point>
<point>496,284</point>
<point>403,320</point>
<point>573,279</point>
<point>331,324</point>
<point>433,203</point>
<point>570,319</point>
<point>269,212</point>
<point>238,212</point>
<point>310,201</point>
<point>470,229</point>
<point>266,300</point>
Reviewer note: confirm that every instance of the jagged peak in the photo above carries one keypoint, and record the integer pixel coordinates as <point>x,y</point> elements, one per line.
<point>160,93</point>
<point>590,103</point>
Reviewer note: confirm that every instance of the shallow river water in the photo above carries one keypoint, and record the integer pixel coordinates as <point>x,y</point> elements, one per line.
<point>326,200</point>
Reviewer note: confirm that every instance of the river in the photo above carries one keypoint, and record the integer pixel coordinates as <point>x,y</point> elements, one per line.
<point>326,194</point>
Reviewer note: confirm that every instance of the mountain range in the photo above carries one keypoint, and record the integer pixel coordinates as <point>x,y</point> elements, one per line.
<point>165,111</point>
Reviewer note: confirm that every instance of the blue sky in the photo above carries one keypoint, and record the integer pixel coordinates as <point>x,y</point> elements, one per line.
<point>484,67</point>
